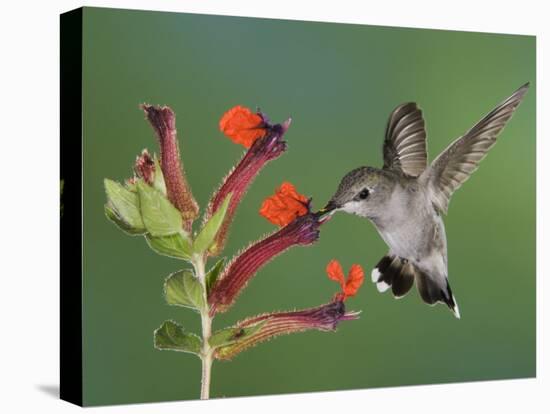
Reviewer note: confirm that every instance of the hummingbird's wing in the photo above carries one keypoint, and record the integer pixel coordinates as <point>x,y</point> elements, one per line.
<point>460,159</point>
<point>405,141</point>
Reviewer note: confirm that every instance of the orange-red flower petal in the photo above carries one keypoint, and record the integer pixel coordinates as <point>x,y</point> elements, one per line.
<point>242,125</point>
<point>335,272</point>
<point>285,205</point>
<point>355,279</point>
<point>349,286</point>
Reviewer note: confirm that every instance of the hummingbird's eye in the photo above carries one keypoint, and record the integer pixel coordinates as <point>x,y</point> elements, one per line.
<point>364,194</point>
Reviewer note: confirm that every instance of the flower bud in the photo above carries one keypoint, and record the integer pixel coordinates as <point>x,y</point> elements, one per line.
<point>145,167</point>
<point>163,121</point>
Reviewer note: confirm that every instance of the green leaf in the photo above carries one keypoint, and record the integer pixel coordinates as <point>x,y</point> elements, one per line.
<point>171,336</point>
<point>125,227</point>
<point>160,217</point>
<point>231,335</point>
<point>184,289</point>
<point>206,237</point>
<point>213,274</point>
<point>177,245</point>
<point>123,207</point>
<point>158,181</point>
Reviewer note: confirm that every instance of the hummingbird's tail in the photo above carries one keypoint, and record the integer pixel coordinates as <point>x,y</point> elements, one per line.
<point>400,274</point>
<point>432,293</point>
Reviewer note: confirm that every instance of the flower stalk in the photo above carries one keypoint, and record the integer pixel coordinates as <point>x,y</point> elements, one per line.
<point>206,353</point>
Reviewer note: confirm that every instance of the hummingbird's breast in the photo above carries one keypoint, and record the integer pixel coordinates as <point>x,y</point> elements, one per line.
<point>410,226</point>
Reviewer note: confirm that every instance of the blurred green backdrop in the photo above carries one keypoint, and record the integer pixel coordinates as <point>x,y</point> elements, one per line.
<point>339,83</point>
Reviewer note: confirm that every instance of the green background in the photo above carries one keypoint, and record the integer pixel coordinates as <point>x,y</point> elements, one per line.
<point>339,83</point>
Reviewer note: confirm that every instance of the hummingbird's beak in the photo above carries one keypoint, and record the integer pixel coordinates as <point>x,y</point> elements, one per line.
<point>330,207</point>
<point>326,212</point>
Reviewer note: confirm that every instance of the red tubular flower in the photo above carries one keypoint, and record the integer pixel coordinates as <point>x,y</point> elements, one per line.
<point>323,318</point>
<point>263,150</point>
<point>349,286</point>
<point>285,205</point>
<point>302,231</point>
<point>163,121</point>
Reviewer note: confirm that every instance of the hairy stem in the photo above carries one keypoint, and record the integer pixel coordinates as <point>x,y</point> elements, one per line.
<point>206,322</point>
<point>206,375</point>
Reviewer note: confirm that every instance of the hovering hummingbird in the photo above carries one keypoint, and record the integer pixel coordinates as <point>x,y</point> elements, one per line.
<point>406,198</point>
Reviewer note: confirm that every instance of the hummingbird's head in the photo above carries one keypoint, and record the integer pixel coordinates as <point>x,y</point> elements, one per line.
<point>363,191</point>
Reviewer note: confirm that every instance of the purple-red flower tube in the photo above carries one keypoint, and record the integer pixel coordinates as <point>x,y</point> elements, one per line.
<point>303,231</point>
<point>263,150</point>
<point>323,318</point>
<point>163,121</point>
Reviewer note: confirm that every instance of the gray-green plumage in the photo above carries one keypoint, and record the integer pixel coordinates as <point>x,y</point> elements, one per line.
<point>404,200</point>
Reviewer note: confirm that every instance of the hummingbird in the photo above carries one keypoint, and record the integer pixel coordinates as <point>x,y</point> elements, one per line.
<point>406,198</point>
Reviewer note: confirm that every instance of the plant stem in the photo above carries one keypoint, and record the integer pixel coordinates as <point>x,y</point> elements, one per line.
<point>205,380</point>
<point>206,322</point>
